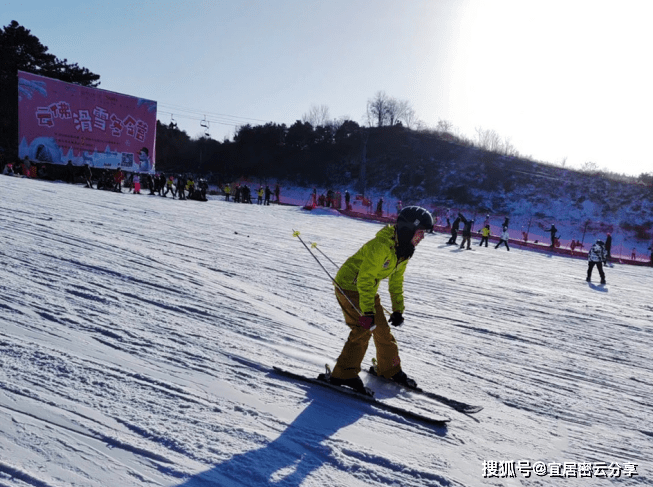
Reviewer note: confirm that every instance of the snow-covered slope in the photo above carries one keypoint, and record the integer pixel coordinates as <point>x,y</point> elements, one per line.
<point>134,330</point>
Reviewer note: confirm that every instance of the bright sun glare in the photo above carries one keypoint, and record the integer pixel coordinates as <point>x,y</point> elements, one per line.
<point>560,79</point>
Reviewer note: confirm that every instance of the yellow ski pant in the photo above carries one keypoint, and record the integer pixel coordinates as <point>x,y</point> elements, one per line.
<point>353,353</point>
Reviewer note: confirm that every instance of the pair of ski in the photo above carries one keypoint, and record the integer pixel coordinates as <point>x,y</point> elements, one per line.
<point>323,381</point>
<point>459,406</point>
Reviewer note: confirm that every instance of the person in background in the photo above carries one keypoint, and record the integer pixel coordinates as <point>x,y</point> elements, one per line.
<point>277,193</point>
<point>26,166</point>
<point>246,194</point>
<point>596,257</point>
<point>268,193</point>
<point>190,186</point>
<point>227,191</point>
<point>118,177</point>
<point>467,232</point>
<point>169,186</point>
<point>149,184</point>
<point>88,176</point>
<point>505,235</point>
<point>181,185</point>
<point>454,231</point>
<point>553,230</point>
<point>485,235</point>
<point>608,246</point>
<point>347,200</point>
<point>18,168</point>
<point>137,183</point>
<point>70,172</point>
<point>330,198</point>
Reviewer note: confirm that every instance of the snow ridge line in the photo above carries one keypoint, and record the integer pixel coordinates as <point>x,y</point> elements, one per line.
<point>23,476</point>
<point>95,434</point>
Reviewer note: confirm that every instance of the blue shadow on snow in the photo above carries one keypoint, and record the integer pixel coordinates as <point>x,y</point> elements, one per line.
<point>298,451</point>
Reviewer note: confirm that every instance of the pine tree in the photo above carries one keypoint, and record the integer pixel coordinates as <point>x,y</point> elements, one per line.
<point>22,51</point>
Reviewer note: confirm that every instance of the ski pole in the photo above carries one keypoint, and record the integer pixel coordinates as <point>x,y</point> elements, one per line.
<point>295,233</point>
<point>314,246</point>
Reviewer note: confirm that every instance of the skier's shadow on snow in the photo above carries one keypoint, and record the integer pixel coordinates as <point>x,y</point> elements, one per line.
<point>301,448</point>
<point>600,287</point>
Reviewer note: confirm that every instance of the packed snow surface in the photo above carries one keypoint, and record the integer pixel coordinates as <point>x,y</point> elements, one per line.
<point>137,334</point>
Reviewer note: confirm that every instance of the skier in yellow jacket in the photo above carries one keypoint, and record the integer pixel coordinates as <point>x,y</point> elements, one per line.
<point>357,283</point>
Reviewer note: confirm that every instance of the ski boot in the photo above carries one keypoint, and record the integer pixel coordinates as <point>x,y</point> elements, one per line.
<point>354,383</point>
<point>401,378</point>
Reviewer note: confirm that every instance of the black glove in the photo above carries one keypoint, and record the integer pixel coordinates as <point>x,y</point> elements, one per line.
<point>366,320</point>
<point>396,318</point>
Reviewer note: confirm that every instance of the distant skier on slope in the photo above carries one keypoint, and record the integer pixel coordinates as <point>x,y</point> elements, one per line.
<point>467,232</point>
<point>385,256</point>
<point>485,235</point>
<point>505,235</point>
<point>454,231</point>
<point>553,230</point>
<point>597,256</point>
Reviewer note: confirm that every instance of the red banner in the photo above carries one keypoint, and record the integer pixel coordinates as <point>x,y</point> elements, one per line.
<point>60,122</point>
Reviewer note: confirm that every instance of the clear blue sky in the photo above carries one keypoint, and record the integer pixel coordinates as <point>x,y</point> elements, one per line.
<point>561,79</point>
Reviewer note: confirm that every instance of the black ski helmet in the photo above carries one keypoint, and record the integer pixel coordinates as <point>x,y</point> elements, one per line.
<point>414,218</point>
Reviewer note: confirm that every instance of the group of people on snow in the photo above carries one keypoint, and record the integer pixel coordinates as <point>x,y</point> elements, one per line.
<point>24,168</point>
<point>243,194</point>
<point>180,186</point>
<point>467,232</point>
<point>331,199</point>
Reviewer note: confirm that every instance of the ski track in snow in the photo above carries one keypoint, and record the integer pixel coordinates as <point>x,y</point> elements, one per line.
<point>132,327</point>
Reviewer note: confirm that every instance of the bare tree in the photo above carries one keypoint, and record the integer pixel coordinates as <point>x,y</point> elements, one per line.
<point>377,109</point>
<point>317,116</point>
<point>386,110</point>
<point>590,167</point>
<point>410,119</point>
<point>444,126</point>
<point>488,139</point>
<point>395,110</point>
<point>509,149</point>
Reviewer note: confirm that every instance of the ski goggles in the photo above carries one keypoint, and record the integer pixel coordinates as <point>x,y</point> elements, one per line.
<point>417,238</point>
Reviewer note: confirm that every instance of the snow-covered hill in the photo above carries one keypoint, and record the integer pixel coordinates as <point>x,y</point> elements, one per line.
<point>134,332</point>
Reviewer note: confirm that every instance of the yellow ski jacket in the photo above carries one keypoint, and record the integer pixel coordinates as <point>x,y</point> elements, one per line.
<point>375,261</point>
